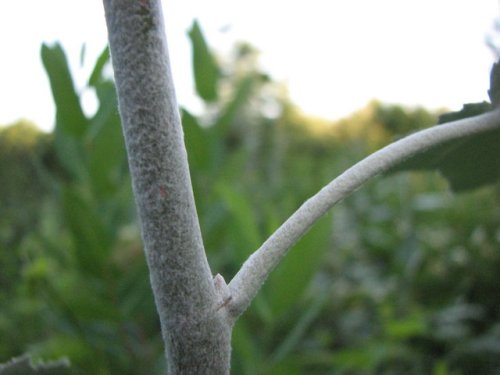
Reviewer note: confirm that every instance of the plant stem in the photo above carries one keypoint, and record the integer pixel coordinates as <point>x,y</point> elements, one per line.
<point>196,334</point>
<point>259,265</point>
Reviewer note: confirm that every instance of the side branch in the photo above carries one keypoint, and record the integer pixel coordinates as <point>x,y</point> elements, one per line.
<point>255,270</point>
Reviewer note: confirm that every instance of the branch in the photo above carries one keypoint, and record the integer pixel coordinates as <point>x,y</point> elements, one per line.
<point>255,270</point>
<point>196,337</point>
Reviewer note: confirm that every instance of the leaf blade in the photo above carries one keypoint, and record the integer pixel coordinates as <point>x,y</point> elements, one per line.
<point>205,69</point>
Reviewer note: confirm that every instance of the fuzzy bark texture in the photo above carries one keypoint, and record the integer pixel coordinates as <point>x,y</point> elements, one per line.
<point>195,329</point>
<point>260,264</point>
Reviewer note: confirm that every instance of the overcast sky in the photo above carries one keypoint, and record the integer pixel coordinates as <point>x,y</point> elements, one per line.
<point>334,56</point>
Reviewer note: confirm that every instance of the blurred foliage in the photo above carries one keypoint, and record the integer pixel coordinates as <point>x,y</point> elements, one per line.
<point>23,366</point>
<point>205,69</point>
<point>467,163</point>
<point>401,278</point>
<point>75,281</point>
<point>494,91</point>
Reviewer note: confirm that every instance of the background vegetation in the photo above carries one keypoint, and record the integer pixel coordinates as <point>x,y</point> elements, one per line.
<point>400,278</point>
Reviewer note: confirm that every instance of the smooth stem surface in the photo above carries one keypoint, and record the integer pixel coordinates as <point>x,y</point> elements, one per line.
<point>195,331</point>
<point>259,265</point>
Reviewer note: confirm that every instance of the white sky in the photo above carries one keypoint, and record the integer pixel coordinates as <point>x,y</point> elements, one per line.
<point>334,55</point>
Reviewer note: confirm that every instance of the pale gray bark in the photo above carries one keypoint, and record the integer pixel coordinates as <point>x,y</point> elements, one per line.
<point>197,311</point>
<point>195,330</point>
<point>259,265</point>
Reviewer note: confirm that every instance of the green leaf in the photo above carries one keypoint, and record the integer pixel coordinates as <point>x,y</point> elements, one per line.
<point>88,232</point>
<point>197,142</point>
<point>285,367</point>
<point>69,114</point>
<point>440,368</point>
<point>105,145</point>
<point>97,72</point>
<point>71,123</point>
<point>71,154</point>
<point>91,303</point>
<point>247,354</point>
<point>134,290</point>
<point>468,110</point>
<point>362,358</point>
<point>407,328</point>
<point>243,220</point>
<point>466,163</point>
<point>295,336</point>
<point>289,280</point>
<point>243,92</point>
<point>206,71</point>
<point>494,91</point>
